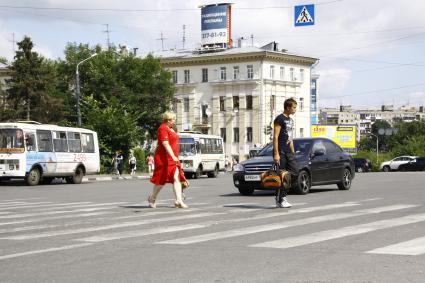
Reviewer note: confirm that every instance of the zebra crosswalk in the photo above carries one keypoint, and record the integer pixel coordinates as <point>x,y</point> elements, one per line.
<point>83,224</point>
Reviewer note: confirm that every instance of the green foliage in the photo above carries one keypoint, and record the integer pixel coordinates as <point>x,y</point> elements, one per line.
<point>33,79</point>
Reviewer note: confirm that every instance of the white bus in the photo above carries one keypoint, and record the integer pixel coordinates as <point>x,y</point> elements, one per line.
<point>40,152</point>
<point>201,154</point>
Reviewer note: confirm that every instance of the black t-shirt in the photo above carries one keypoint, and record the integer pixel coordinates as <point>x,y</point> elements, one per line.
<point>285,135</point>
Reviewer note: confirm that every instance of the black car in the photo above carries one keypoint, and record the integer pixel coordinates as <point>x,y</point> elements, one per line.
<point>417,164</point>
<point>320,160</point>
<point>362,164</point>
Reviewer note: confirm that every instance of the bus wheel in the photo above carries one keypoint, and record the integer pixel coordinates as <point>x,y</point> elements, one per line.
<point>197,174</point>
<point>77,178</point>
<point>33,177</point>
<point>214,173</point>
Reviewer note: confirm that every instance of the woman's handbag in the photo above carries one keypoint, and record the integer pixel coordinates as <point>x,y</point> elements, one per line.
<point>276,178</point>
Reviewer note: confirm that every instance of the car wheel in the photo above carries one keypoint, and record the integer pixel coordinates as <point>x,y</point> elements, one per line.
<point>303,184</point>
<point>246,191</point>
<point>345,183</point>
<point>402,169</point>
<point>386,168</point>
<point>214,173</point>
<point>360,169</point>
<point>33,177</point>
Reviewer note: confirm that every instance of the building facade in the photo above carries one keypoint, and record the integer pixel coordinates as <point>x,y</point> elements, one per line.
<point>236,93</point>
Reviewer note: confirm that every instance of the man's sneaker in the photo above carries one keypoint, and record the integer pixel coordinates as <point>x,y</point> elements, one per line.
<point>278,204</point>
<point>285,203</point>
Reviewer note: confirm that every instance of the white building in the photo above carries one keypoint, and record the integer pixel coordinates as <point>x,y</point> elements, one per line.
<point>237,92</point>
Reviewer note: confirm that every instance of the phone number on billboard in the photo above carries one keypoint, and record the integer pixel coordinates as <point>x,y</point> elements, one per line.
<point>214,34</point>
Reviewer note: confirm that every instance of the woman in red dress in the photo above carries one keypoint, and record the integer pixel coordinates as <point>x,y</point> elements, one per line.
<point>167,165</point>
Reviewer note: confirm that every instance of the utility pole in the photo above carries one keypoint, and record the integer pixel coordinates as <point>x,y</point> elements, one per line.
<point>184,35</point>
<point>252,40</point>
<point>162,38</point>
<point>107,31</point>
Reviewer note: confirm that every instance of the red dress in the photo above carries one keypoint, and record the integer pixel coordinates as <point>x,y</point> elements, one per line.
<point>165,166</point>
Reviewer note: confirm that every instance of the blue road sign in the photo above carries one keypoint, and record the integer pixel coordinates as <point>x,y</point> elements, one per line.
<point>304,15</point>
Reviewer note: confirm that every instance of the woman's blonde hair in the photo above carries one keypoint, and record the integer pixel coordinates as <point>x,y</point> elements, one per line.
<point>167,116</point>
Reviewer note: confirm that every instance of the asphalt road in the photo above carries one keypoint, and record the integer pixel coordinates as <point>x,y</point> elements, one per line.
<point>104,232</point>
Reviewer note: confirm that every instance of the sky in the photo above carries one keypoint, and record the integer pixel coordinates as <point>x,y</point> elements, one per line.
<point>370,51</point>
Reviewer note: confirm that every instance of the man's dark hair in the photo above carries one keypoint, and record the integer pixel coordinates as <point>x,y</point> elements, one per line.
<point>289,102</point>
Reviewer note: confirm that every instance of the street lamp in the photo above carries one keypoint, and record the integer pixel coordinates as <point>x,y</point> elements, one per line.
<point>377,148</point>
<point>77,88</point>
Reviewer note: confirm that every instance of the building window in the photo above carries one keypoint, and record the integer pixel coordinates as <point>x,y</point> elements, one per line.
<point>186,76</point>
<point>291,74</point>
<point>222,103</point>
<point>175,76</point>
<point>236,72</point>
<point>186,104</point>
<point>235,134</point>
<point>272,72</point>
<point>249,102</point>
<point>204,75</point>
<point>250,71</point>
<point>282,73</point>
<point>272,102</point>
<point>249,134</point>
<point>301,104</point>
<point>223,134</point>
<point>223,75</point>
<point>302,75</point>
<point>301,132</point>
<point>236,102</point>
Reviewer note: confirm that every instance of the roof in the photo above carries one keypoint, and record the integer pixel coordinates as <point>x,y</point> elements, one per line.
<point>178,56</point>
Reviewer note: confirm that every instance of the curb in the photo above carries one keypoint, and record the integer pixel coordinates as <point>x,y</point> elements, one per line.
<point>110,178</point>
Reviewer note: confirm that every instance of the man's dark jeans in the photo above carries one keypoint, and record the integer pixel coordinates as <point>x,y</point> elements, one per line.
<point>289,163</point>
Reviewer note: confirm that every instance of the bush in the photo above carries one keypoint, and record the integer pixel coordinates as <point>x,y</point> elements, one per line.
<point>141,159</point>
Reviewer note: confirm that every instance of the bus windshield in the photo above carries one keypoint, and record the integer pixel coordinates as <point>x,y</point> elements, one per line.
<point>11,138</point>
<point>187,146</point>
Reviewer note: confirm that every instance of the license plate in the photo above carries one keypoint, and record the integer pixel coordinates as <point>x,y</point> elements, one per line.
<point>252,177</point>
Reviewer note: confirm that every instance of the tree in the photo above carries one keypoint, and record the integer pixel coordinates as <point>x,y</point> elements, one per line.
<point>32,78</point>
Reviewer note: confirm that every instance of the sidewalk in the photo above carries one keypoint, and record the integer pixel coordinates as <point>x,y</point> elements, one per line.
<point>110,177</point>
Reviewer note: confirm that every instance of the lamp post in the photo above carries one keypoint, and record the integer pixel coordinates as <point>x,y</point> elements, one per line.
<point>77,87</point>
<point>377,148</point>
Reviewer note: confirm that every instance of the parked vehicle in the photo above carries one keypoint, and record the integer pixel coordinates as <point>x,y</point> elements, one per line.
<point>362,165</point>
<point>395,163</point>
<point>320,160</point>
<point>417,164</point>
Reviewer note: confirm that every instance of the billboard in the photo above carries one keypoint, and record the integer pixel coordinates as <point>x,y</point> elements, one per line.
<point>344,136</point>
<point>216,25</point>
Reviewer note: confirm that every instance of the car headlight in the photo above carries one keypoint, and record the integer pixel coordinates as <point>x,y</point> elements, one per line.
<point>238,168</point>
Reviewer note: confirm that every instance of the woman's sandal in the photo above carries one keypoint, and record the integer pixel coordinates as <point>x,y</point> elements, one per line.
<point>180,204</point>
<point>151,202</point>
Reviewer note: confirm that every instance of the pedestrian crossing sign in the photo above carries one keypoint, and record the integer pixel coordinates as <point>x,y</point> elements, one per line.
<point>304,15</point>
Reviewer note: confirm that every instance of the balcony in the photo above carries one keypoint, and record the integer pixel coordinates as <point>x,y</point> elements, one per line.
<point>201,123</point>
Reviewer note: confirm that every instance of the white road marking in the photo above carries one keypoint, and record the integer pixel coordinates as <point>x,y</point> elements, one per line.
<point>341,232</point>
<point>127,234</point>
<point>18,205</point>
<point>412,247</point>
<point>105,227</point>
<point>25,206</point>
<point>276,226</point>
<point>26,228</point>
<point>44,251</point>
<point>55,217</point>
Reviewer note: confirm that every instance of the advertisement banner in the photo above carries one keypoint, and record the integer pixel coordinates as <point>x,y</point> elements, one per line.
<point>214,24</point>
<point>344,136</point>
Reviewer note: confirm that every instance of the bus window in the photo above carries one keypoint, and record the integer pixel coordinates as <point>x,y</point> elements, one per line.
<point>59,142</point>
<point>87,142</point>
<point>30,141</point>
<point>74,142</point>
<point>11,138</point>
<point>44,141</point>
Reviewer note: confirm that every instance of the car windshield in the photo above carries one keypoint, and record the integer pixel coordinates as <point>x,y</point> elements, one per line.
<point>11,138</point>
<point>301,148</point>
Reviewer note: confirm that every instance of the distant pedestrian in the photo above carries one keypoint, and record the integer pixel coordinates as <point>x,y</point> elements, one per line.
<point>132,161</point>
<point>117,160</point>
<point>151,163</point>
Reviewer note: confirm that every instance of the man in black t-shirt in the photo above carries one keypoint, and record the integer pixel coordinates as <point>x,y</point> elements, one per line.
<point>283,147</point>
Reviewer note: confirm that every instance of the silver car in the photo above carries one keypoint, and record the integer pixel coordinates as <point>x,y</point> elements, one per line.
<point>393,164</point>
